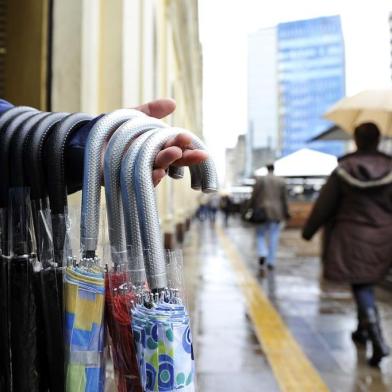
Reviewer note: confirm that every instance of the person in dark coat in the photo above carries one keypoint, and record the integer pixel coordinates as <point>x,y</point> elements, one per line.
<point>270,195</point>
<point>355,209</point>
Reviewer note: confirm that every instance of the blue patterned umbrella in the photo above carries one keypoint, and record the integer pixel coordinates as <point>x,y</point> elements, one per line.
<point>164,347</point>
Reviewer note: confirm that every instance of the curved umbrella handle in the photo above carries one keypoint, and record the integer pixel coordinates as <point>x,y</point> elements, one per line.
<point>11,113</point>
<point>9,123</point>
<point>55,162</point>
<point>6,136</point>
<point>55,177</point>
<point>17,148</point>
<point>147,206</point>
<point>118,145</point>
<point>208,175</point>
<point>131,217</point>
<point>91,196</point>
<point>33,149</point>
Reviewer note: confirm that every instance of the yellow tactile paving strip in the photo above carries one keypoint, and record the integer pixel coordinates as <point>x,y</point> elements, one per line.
<point>292,369</point>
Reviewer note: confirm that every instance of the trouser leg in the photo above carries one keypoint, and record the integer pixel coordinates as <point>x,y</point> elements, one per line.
<point>273,241</point>
<point>261,246</point>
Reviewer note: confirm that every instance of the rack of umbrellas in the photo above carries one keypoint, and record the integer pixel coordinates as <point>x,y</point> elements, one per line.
<point>64,313</point>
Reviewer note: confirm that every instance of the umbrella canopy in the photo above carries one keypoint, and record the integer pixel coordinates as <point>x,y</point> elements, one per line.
<point>367,106</point>
<point>303,163</point>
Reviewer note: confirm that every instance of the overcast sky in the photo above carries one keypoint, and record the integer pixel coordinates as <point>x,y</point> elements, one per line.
<point>224,28</point>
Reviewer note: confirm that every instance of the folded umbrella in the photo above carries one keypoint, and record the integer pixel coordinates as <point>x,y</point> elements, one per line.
<point>84,281</point>
<point>118,296</point>
<point>121,286</point>
<point>162,334</point>
<point>47,278</point>
<point>55,179</point>
<point>9,299</point>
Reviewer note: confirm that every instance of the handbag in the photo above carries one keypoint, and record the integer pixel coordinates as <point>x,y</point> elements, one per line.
<point>256,215</point>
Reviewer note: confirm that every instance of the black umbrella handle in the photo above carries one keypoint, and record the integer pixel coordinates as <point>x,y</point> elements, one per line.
<point>55,159</point>
<point>33,151</point>
<point>6,134</point>
<point>55,177</point>
<point>16,150</point>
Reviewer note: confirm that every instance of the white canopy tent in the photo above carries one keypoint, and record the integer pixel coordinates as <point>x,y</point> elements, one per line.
<point>303,163</point>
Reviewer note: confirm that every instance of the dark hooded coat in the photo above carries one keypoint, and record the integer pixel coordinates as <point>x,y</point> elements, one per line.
<point>355,208</point>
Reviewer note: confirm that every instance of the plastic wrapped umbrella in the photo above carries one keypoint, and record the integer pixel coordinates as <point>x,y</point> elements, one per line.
<point>5,359</point>
<point>124,278</point>
<point>160,322</point>
<point>48,283</point>
<point>84,280</point>
<point>118,297</point>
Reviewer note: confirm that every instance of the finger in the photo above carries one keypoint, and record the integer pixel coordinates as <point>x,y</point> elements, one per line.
<point>157,175</point>
<point>191,157</point>
<point>167,156</point>
<point>182,140</point>
<point>159,108</point>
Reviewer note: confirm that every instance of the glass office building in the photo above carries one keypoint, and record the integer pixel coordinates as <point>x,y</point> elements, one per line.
<point>311,77</point>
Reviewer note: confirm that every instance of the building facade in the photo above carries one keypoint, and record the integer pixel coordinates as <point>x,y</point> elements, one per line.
<point>296,70</point>
<point>95,56</point>
<point>262,133</point>
<point>311,77</point>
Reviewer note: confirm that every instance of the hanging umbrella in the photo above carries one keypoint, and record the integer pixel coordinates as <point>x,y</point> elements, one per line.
<point>83,313</point>
<point>161,327</point>
<point>5,119</point>
<point>47,278</point>
<point>5,360</point>
<point>52,277</point>
<point>367,106</point>
<point>119,297</point>
<point>119,300</point>
<point>7,292</point>
<point>55,179</point>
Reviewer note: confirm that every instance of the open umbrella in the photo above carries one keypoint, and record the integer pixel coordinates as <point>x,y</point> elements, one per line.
<point>367,106</point>
<point>161,327</point>
<point>84,281</point>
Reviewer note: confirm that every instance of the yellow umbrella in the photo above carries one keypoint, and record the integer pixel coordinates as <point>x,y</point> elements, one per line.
<point>367,106</point>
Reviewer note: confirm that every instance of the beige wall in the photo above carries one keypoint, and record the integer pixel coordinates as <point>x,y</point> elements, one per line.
<point>26,56</point>
<point>119,53</point>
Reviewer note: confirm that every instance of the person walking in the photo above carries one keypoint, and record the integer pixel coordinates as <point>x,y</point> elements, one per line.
<point>355,208</point>
<point>269,196</point>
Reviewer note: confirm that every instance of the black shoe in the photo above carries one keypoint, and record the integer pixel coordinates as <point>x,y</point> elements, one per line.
<point>360,336</point>
<point>379,346</point>
<point>261,261</point>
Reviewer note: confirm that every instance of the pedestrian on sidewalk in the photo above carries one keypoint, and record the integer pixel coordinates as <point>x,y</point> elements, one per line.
<point>269,196</point>
<point>355,208</point>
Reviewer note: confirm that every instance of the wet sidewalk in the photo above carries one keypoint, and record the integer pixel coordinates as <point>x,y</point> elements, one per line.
<point>320,316</point>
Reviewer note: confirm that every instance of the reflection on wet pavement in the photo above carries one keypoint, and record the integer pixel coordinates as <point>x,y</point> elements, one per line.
<point>320,315</point>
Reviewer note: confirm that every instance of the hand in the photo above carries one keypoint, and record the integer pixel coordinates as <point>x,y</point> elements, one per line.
<point>177,151</point>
